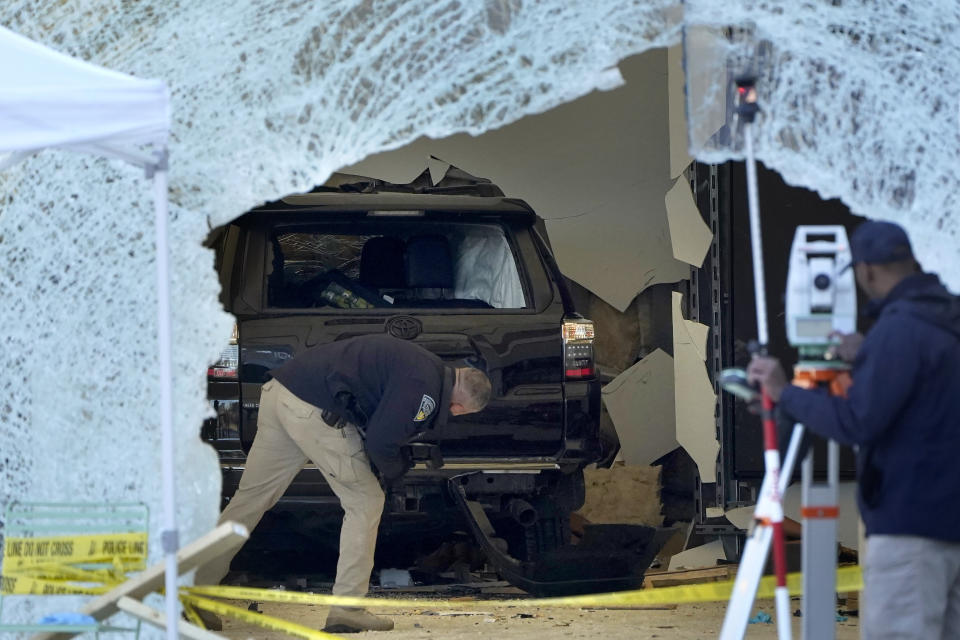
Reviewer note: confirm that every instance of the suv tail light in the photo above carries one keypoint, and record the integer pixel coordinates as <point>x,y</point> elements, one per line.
<point>226,367</point>
<point>578,349</point>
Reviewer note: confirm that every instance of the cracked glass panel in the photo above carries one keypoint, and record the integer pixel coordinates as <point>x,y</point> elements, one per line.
<point>268,98</point>
<point>858,99</point>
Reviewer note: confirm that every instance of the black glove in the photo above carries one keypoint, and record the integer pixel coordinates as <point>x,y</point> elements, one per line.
<point>386,482</point>
<point>436,459</point>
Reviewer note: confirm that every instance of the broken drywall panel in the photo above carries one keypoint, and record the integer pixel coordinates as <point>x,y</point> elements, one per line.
<point>689,235</point>
<point>620,249</point>
<point>437,168</point>
<point>680,157</point>
<point>694,397</point>
<point>641,404</point>
<point>699,333</point>
<point>622,495</point>
<point>741,517</point>
<point>706,555</point>
<point>597,180</point>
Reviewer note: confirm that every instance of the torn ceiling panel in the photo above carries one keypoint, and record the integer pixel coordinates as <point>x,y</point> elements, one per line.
<point>641,404</point>
<point>695,399</point>
<point>595,169</point>
<point>690,237</point>
<point>858,101</point>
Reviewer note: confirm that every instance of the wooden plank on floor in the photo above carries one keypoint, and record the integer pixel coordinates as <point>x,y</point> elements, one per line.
<point>689,576</point>
<point>157,619</point>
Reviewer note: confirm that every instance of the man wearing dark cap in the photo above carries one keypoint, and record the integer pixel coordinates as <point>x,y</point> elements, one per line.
<point>903,414</point>
<point>317,407</point>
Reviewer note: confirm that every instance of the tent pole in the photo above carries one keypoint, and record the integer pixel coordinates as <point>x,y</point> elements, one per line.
<point>170,535</point>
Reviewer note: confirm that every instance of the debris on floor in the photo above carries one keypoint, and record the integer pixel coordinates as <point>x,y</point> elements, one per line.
<point>761,618</point>
<point>392,578</point>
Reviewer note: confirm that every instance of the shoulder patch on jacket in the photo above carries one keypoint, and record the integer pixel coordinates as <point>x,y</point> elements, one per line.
<point>427,405</point>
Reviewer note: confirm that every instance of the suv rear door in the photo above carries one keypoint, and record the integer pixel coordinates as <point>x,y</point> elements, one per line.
<point>519,339</point>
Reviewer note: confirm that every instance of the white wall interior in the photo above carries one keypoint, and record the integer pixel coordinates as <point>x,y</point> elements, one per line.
<point>595,169</point>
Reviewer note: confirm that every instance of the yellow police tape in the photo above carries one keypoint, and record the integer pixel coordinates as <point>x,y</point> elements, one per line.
<point>26,552</point>
<point>848,579</point>
<point>82,564</point>
<point>192,616</point>
<point>114,572</point>
<point>259,619</point>
<point>25,586</point>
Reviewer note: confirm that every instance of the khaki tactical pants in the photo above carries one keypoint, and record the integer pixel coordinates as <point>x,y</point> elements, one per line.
<point>289,432</point>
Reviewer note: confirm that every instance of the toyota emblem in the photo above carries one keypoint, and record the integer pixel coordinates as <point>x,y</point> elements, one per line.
<point>404,327</point>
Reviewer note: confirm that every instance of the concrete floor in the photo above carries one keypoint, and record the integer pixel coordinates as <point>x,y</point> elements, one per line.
<point>686,622</point>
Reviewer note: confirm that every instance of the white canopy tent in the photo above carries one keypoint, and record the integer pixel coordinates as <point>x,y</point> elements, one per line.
<point>48,99</point>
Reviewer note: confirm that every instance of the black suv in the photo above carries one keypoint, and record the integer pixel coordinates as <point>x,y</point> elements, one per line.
<point>461,270</point>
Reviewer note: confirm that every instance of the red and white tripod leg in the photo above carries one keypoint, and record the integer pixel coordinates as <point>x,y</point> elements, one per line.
<point>754,556</point>
<point>771,459</point>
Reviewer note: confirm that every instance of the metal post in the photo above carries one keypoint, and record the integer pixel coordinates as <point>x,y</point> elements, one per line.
<point>756,240</point>
<point>820,512</point>
<point>748,110</point>
<point>169,535</point>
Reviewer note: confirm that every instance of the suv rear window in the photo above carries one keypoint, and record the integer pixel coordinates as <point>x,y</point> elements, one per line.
<point>391,264</point>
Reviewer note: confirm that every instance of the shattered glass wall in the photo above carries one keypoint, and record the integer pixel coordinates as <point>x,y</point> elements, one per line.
<point>268,98</point>
<point>859,101</point>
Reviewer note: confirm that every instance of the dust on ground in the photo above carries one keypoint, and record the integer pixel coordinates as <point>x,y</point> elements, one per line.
<point>686,622</point>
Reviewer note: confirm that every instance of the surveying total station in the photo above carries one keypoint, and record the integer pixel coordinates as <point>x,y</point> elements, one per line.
<point>821,303</point>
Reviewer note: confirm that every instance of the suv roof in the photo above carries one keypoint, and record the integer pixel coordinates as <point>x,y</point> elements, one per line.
<point>403,202</point>
<point>457,191</point>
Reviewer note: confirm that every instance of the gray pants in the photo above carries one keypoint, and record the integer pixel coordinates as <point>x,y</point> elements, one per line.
<point>912,589</point>
<point>289,432</point>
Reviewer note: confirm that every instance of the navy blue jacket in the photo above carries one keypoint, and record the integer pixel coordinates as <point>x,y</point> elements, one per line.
<point>903,411</point>
<point>392,388</point>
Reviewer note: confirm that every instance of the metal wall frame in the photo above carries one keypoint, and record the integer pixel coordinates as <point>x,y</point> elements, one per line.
<point>710,303</point>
